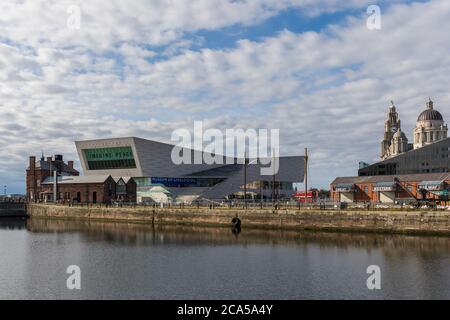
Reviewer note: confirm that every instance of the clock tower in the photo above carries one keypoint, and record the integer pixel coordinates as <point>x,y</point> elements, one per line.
<point>391,126</point>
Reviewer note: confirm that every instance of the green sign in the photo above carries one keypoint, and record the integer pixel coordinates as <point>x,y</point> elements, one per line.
<point>108,154</point>
<point>110,158</point>
<point>442,193</point>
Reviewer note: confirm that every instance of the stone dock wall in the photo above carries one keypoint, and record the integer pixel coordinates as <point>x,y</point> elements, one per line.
<point>11,210</point>
<point>402,222</point>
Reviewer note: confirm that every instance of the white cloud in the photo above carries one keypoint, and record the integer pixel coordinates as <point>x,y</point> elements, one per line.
<point>106,23</point>
<point>326,90</point>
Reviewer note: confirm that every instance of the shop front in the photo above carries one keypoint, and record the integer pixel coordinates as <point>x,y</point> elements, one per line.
<point>386,191</point>
<point>346,192</point>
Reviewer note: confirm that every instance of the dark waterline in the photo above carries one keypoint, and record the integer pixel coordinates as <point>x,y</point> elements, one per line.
<point>136,261</point>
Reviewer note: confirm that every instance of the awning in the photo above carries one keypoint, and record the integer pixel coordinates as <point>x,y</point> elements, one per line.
<point>431,185</point>
<point>345,187</point>
<point>385,186</point>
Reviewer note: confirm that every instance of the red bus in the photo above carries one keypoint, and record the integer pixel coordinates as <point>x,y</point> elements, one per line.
<point>310,197</point>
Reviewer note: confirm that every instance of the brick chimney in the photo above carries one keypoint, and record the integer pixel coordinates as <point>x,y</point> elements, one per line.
<point>70,164</point>
<point>32,164</point>
<point>31,179</point>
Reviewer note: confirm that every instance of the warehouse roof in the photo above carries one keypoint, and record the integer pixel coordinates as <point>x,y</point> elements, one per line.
<point>76,179</point>
<point>403,178</point>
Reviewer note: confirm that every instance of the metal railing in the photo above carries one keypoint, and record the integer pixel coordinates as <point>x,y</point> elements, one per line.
<point>265,205</point>
<point>12,200</point>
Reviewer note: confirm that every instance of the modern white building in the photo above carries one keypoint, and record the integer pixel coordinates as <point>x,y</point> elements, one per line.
<point>159,179</point>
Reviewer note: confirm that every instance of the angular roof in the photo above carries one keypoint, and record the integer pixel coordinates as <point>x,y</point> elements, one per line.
<point>154,159</point>
<point>125,179</point>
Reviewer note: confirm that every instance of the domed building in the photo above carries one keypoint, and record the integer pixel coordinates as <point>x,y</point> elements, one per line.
<point>408,172</point>
<point>430,127</point>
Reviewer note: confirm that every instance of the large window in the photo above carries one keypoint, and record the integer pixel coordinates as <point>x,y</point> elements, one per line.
<point>110,158</point>
<point>121,187</point>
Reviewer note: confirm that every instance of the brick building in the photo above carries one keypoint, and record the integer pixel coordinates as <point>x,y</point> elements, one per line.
<point>89,189</point>
<point>38,171</point>
<point>126,189</point>
<point>392,188</point>
<point>70,187</point>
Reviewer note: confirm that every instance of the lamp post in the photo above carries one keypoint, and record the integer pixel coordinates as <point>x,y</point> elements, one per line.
<point>55,186</point>
<point>245,181</point>
<point>273,177</point>
<point>306,176</point>
<point>261,192</point>
<point>246,163</point>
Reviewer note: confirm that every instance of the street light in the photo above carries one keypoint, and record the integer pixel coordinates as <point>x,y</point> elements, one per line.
<point>246,163</point>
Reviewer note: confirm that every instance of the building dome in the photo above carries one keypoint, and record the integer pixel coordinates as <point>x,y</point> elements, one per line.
<point>400,135</point>
<point>430,127</point>
<point>430,114</point>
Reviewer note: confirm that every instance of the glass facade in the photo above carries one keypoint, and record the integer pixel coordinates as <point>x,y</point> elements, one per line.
<point>173,182</point>
<point>110,158</point>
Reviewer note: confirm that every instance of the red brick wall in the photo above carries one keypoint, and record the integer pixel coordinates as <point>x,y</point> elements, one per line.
<point>34,179</point>
<point>373,196</point>
<point>105,192</point>
<point>69,192</point>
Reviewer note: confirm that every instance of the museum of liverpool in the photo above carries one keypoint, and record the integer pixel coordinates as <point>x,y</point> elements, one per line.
<point>159,180</point>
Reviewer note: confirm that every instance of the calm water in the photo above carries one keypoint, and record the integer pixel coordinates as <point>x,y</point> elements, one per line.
<point>133,261</point>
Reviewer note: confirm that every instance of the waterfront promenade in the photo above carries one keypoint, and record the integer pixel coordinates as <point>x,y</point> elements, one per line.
<point>419,222</point>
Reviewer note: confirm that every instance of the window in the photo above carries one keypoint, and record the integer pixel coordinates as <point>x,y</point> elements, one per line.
<point>121,187</point>
<point>110,158</point>
<point>110,191</point>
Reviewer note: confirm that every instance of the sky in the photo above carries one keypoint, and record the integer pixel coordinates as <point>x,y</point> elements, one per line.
<point>310,68</point>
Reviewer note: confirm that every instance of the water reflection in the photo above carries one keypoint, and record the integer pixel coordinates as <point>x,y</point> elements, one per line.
<point>136,261</point>
<point>13,223</point>
<point>143,234</point>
